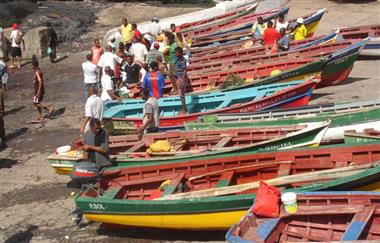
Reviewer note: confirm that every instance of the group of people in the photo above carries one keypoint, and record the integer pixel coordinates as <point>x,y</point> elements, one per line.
<point>140,61</point>
<point>275,34</point>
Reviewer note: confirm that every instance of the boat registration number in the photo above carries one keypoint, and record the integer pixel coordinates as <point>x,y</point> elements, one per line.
<point>96,206</point>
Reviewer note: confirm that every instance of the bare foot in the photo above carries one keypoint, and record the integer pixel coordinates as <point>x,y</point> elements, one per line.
<point>50,113</point>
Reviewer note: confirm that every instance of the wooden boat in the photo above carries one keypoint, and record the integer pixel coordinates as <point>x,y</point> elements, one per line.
<point>181,142</point>
<point>367,135</point>
<point>372,48</point>
<point>336,69</point>
<point>246,43</point>
<point>350,120</point>
<point>309,110</point>
<point>220,9</point>
<point>346,216</point>
<point>237,33</point>
<point>231,15</point>
<point>125,196</point>
<point>290,94</point>
<point>314,51</point>
<point>244,22</point>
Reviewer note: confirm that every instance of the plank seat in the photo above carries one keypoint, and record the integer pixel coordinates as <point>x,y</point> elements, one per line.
<point>225,179</point>
<point>174,184</point>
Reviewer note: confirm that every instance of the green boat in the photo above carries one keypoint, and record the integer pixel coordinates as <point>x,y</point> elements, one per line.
<point>310,136</point>
<point>156,196</point>
<point>338,119</point>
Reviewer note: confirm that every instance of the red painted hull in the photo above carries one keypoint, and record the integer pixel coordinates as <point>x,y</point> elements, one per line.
<point>335,78</point>
<point>270,101</point>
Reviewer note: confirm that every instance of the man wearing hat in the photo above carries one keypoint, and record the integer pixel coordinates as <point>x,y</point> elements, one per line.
<point>154,29</point>
<point>300,33</point>
<point>154,53</point>
<point>17,39</point>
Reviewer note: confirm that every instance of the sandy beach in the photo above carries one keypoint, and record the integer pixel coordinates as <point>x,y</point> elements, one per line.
<point>35,202</point>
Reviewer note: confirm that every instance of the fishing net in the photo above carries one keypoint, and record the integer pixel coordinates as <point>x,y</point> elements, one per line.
<point>232,80</point>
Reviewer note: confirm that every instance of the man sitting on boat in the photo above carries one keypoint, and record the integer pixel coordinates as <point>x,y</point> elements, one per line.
<point>283,42</point>
<point>95,144</point>
<point>258,28</point>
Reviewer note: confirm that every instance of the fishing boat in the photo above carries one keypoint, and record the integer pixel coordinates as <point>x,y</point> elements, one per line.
<point>309,110</point>
<point>367,135</point>
<point>372,48</point>
<point>158,196</point>
<point>337,68</point>
<point>235,34</point>
<point>357,120</point>
<point>221,8</point>
<point>314,50</point>
<point>181,142</point>
<point>242,23</point>
<point>229,16</point>
<point>289,94</point>
<point>332,216</point>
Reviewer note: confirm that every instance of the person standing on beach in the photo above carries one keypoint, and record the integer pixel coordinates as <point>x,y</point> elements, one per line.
<point>172,64</point>
<point>90,72</point>
<point>126,33</point>
<point>39,91</point>
<point>2,43</point>
<point>96,51</point>
<point>109,59</point>
<point>138,50</point>
<point>52,42</point>
<point>181,77</point>
<point>2,110</point>
<point>107,86</point>
<point>154,30</point>
<point>153,54</point>
<point>17,41</point>
<point>93,108</point>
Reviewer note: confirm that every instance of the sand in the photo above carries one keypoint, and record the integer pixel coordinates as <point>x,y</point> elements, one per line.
<point>34,201</point>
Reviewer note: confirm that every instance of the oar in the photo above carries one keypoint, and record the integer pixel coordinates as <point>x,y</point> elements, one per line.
<point>309,176</point>
<point>240,167</point>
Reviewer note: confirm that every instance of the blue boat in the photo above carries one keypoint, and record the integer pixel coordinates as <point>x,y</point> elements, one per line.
<point>321,216</point>
<point>289,94</point>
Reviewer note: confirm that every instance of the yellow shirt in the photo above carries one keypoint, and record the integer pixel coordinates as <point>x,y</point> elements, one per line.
<point>300,33</point>
<point>126,33</point>
<point>258,29</point>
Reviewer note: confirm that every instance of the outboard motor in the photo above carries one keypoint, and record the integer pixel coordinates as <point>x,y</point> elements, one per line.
<point>85,173</point>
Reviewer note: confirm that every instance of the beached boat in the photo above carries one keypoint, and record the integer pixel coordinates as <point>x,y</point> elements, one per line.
<point>229,16</point>
<point>309,110</point>
<point>126,196</point>
<point>242,23</point>
<point>372,48</point>
<point>351,120</point>
<point>334,71</point>
<point>332,216</point>
<point>367,135</point>
<point>235,34</point>
<point>289,94</point>
<point>121,149</point>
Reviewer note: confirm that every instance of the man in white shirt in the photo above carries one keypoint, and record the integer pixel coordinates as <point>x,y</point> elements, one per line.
<point>138,50</point>
<point>154,29</point>
<point>90,72</point>
<point>108,59</point>
<point>93,108</point>
<point>17,39</point>
<point>107,86</point>
<point>281,23</point>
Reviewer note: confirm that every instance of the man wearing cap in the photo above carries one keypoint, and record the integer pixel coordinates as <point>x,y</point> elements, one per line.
<point>153,54</point>
<point>17,40</point>
<point>154,29</point>
<point>300,33</point>
<point>126,33</point>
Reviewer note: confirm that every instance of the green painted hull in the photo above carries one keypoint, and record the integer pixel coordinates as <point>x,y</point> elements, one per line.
<point>337,120</point>
<point>298,139</point>
<point>108,205</point>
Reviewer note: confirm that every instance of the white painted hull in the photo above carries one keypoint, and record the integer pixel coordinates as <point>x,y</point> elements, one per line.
<point>372,48</point>
<point>336,133</point>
